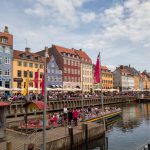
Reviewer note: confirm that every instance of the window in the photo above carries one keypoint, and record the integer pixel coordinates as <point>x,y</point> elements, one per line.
<point>78,71</point>
<point>65,62</point>
<point>36,65</point>
<point>25,64</point>
<point>52,70</point>
<point>7,72</point>
<point>68,70</point>
<point>41,74</point>
<point>1,60</point>
<point>4,40</point>
<point>18,84</point>
<point>19,73</point>
<point>41,66</point>
<point>31,74</point>
<point>51,79</point>
<point>48,70</point>
<point>52,65</point>
<point>19,63</point>
<point>72,63</point>
<point>0,72</point>
<point>1,49</point>
<point>7,50</point>
<point>69,62</point>
<point>30,64</point>
<point>65,70</point>
<point>0,83</point>
<point>25,73</point>
<point>7,60</point>
<point>60,72</point>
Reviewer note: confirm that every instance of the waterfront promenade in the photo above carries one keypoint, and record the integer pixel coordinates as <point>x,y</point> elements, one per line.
<point>57,138</point>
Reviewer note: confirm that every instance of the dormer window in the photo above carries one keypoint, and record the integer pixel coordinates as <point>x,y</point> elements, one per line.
<point>4,40</point>
<point>37,58</point>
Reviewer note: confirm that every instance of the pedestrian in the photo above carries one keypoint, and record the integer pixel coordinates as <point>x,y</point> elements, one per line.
<point>75,116</point>
<point>70,117</point>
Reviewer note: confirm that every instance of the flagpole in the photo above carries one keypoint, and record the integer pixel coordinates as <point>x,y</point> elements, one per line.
<point>102,98</point>
<point>82,93</point>
<point>37,86</point>
<point>45,101</point>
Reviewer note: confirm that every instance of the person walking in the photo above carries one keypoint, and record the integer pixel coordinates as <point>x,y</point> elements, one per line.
<point>70,117</point>
<point>75,116</point>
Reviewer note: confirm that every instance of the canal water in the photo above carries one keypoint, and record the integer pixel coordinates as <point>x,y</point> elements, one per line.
<point>126,133</point>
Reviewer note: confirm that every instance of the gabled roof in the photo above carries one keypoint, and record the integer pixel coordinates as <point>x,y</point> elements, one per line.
<point>83,54</point>
<point>17,54</point>
<point>8,36</point>
<point>123,70</point>
<point>61,49</point>
<point>104,68</point>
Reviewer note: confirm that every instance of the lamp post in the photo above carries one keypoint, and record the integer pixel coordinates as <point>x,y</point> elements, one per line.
<point>45,100</point>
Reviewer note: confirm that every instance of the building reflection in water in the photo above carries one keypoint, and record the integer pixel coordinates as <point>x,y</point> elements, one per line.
<point>135,118</point>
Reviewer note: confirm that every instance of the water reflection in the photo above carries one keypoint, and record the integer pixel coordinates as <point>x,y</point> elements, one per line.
<point>128,133</point>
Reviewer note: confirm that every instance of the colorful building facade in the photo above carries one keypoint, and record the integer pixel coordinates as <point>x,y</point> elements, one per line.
<point>123,79</point>
<point>107,78</point>
<point>54,74</point>
<point>86,71</point>
<point>26,64</point>
<point>69,62</point>
<point>6,55</point>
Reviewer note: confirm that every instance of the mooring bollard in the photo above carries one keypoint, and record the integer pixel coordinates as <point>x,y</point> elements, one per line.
<point>85,130</point>
<point>70,130</point>
<point>8,146</point>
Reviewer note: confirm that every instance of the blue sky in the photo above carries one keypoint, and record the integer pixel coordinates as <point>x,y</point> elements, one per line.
<point>117,28</point>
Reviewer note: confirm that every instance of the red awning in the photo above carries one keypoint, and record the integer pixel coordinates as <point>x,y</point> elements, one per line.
<point>3,104</point>
<point>40,104</point>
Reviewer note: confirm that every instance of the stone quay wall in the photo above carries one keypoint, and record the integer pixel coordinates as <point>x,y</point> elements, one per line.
<point>17,107</point>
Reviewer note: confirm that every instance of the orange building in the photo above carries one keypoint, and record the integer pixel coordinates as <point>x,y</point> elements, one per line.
<point>107,78</point>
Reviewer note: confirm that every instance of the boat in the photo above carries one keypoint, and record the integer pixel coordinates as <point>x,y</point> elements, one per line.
<point>106,116</point>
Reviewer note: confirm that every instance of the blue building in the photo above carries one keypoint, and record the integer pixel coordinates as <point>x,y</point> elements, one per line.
<point>6,56</point>
<point>54,74</point>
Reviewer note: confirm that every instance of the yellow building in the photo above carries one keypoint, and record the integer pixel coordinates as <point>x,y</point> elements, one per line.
<point>25,62</point>
<point>107,78</point>
<point>136,82</point>
<point>146,81</point>
<point>86,71</point>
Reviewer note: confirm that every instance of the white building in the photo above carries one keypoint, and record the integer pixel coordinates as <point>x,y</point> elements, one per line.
<point>123,80</point>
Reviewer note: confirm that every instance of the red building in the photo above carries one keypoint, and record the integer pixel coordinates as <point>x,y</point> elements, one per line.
<point>69,62</point>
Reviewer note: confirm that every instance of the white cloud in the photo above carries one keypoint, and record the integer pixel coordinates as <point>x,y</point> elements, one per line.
<point>120,32</point>
<point>88,17</point>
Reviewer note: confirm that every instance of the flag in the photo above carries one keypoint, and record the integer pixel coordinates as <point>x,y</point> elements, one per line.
<point>97,70</point>
<point>36,78</point>
<point>25,91</point>
<point>42,84</point>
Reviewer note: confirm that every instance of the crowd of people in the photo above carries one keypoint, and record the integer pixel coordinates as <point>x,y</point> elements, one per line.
<point>71,117</point>
<point>69,95</point>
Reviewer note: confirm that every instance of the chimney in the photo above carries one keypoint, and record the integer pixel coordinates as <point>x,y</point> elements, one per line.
<point>27,49</point>
<point>129,66</point>
<point>121,67</point>
<point>80,49</point>
<point>72,48</point>
<point>6,29</point>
